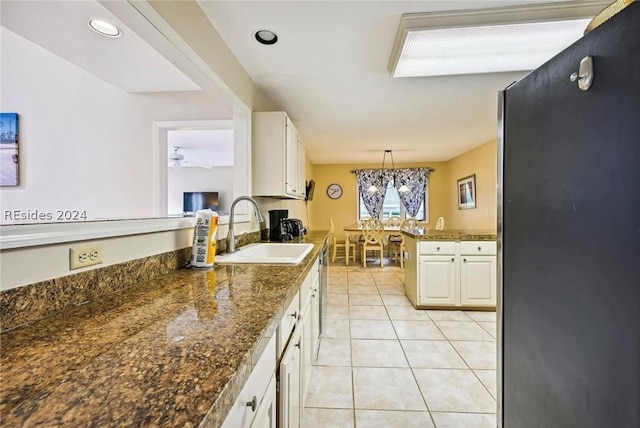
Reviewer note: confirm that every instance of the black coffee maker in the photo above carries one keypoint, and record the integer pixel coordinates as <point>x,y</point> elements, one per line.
<point>275,217</point>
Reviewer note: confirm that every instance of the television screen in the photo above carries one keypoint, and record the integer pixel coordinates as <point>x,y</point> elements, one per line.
<point>194,201</point>
<point>311,186</point>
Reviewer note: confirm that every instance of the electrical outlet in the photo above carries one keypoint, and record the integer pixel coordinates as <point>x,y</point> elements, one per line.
<point>83,257</point>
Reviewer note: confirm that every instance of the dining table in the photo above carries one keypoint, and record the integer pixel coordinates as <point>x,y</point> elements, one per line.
<point>355,230</point>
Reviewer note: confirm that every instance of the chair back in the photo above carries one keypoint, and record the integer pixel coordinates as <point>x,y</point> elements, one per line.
<point>440,223</point>
<point>372,230</point>
<point>332,229</point>
<point>409,224</point>
<point>394,221</point>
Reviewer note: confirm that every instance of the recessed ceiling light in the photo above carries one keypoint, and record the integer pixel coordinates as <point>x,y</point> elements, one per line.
<point>266,37</point>
<point>104,28</point>
<point>519,38</point>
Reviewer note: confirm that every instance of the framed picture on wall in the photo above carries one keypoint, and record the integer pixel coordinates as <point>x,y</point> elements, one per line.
<point>467,192</point>
<point>9,174</point>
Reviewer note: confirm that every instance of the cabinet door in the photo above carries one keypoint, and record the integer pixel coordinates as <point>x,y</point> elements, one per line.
<point>266,414</point>
<point>242,413</point>
<point>307,352</point>
<point>478,280</point>
<point>292,160</point>
<point>289,402</point>
<point>437,280</point>
<point>315,320</point>
<point>302,169</point>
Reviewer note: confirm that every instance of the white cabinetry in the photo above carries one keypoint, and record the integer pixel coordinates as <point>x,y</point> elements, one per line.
<point>274,396</point>
<point>278,156</point>
<point>255,393</point>
<point>451,274</point>
<point>266,414</point>
<point>290,381</point>
<point>478,281</point>
<point>300,353</point>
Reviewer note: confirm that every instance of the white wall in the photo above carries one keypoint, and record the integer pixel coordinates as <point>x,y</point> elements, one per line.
<point>84,144</point>
<point>189,179</point>
<point>22,266</point>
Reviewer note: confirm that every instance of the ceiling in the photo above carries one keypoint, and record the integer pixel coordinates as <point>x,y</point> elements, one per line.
<point>212,147</point>
<point>127,62</point>
<point>329,72</point>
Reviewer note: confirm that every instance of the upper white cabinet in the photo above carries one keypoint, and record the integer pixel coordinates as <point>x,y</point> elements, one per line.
<point>277,156</point>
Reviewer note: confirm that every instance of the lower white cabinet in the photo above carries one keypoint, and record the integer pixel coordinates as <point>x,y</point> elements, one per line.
<point>266,414</point>
<point>438,280</point>
<point>300,354</point>
<point>478,280</point>
<point>254,394</point>
<point>451,274</point>
<point>289,383</point>
<point>274,393</point>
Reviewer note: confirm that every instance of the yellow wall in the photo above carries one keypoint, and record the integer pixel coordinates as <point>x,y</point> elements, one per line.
<point>443,200</point>
<point>344,210</point>
<point>481,161</point>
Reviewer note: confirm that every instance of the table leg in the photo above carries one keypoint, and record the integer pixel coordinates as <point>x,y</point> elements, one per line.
<point>347,240</point>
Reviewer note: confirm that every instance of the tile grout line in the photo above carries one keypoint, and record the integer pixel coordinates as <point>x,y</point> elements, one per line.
<point>427,317</point>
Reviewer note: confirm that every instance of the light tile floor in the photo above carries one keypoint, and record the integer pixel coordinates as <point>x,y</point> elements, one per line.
<point>383,363</point>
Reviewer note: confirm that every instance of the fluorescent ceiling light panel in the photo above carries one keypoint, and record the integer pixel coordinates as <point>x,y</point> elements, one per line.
<point>518,38</point>
<point>486,49</point>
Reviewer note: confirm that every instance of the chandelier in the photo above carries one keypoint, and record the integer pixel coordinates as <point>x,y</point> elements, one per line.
<point>403,187</point>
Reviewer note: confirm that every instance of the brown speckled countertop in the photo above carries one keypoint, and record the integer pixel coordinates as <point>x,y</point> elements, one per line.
<point>453,235</point>
<point>173,351</point>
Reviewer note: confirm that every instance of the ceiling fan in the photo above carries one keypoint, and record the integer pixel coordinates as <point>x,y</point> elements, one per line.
<point>177,160</point>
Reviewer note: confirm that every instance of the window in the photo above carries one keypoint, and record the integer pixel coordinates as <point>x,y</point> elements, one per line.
<point>392,206</point>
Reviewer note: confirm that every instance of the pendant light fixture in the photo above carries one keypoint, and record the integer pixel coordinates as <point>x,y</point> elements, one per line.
<point>402,189</point>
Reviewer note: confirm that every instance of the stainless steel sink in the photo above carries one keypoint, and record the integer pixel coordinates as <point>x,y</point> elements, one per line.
<point>270,253</point>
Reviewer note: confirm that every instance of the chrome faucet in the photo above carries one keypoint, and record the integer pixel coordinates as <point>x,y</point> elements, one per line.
<point>231,237</point>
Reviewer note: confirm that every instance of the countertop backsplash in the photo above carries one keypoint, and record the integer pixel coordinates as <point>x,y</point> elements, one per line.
<point>22,305</point>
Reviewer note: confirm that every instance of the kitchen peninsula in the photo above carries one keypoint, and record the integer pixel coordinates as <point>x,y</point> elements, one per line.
<point>451,269</point>
<point>172,351</point>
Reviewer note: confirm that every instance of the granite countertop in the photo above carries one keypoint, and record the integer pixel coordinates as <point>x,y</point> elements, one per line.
<point>173,351</point>
<point>452,235</point>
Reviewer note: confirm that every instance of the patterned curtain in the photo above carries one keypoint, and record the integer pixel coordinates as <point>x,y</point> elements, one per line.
<point>416,180</point>
<point>366,178</point>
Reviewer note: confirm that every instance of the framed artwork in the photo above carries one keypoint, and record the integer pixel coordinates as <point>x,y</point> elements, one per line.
<point>9,174</point>
<point>467,192</point>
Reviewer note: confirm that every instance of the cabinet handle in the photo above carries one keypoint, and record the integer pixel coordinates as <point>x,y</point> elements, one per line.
<point>253,403</point>
<point>295,314</point>
<point>437,248</point>
<point>479,248</point>
<point>453,260</point>
<point>297,345</point>
<point>464,260</point>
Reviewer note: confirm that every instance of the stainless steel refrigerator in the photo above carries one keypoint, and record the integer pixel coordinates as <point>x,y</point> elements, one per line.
<point>569,237</point>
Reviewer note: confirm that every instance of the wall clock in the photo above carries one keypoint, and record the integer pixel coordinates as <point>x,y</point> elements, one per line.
<point>334,191</point>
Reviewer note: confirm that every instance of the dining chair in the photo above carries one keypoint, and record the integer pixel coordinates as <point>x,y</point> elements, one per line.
<point>393,221</point>
<point>398,246</point>
<point>340,244</point>
<point>372,231</point>
<point>440,223</point>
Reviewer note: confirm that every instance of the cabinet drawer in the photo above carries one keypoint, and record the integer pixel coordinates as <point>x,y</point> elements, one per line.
<point>288,321</point>
<point>241,414</point>
<point>437,247</point>
<point>478,248</point>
